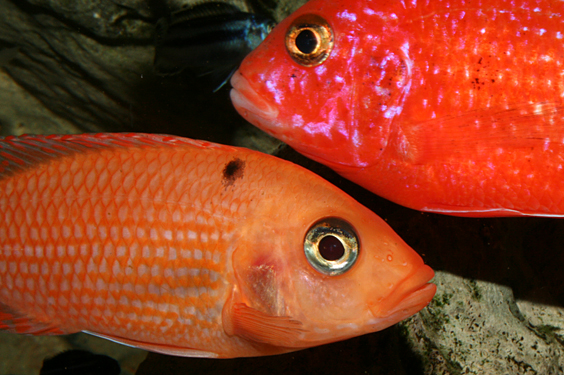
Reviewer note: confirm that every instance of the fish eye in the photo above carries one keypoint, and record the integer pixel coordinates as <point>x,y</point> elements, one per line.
<point>309,40</point>
<point>331,246</point>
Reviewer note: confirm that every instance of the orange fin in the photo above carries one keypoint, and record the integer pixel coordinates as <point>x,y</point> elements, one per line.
<point>485,131</point>
<point>157,348</point>
<point>14,322</point>
<point>17,153</point>
<point>258,326</point>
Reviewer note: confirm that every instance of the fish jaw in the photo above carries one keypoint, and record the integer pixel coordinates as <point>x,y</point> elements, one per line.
<point>409,297</point>
<point>265,115</point>
<point>250,104</point>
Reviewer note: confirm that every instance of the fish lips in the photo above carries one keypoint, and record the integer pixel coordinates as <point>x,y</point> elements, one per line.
<point>265,115</point>
<point>250,104</point>
<point>407,298</point>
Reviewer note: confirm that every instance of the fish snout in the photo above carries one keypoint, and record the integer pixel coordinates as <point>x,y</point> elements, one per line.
<point>408,297</point>
<point>253,107</point>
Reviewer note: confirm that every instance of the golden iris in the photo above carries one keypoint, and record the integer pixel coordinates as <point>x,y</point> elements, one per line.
<point>309,40</point>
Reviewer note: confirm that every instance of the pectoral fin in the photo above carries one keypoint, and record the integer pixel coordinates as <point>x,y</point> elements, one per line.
<point>483,132</point>
<point>16,322</point>
<point>255,325</point>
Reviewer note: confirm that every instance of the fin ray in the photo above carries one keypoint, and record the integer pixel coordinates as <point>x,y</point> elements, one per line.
<point>157,348</point>
<point>18,153</point>
<point>257,326</point>
<point>15,322</point>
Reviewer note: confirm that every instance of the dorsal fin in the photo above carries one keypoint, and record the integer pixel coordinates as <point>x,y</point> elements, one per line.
<point>485,131</point>
<point>18,153</point>
<point>191,13</point>
<point>15,322</point>
<point>204,9</point>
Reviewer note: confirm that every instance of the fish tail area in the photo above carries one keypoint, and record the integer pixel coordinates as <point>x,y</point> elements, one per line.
<point>532,126</point>
<point>19,153</point>
<point>14,322</point>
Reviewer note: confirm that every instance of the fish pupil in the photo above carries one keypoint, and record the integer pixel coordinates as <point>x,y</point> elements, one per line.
<point>306,41</point>
<point>330,248</point>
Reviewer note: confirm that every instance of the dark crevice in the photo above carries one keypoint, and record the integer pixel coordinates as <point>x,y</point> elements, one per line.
<point>70,69</point>
<point>35,10</point>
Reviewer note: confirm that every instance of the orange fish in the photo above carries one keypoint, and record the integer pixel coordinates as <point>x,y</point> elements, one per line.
<point>191,248</point>
<point>442,106</point>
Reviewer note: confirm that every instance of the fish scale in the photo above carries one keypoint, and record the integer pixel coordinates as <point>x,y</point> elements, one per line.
<point>185,247</point>
<point>494,33</point>
<point>84,216</point>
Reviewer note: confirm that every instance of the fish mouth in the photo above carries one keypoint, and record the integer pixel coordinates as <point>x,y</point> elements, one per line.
<point>410,296</point>
<point>264,115</point>
<point>250,104</point>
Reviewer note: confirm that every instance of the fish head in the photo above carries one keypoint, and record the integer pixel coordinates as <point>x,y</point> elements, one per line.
<point>326,268</point>
<point>329,81</point>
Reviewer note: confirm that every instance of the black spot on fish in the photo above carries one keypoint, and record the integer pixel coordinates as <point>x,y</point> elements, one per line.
<point>233,171</point>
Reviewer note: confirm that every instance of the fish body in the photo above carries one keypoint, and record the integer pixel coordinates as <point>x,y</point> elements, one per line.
<point>191,248</point>
<point>208,39</point>
<point>442,106</point>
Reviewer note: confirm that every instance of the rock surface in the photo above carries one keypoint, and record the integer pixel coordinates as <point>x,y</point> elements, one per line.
<point>89,63</point>
<point>75,66</point>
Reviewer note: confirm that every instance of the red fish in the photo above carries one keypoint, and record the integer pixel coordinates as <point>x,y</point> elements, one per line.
<point>191,248</point>
<point>450,106</point>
